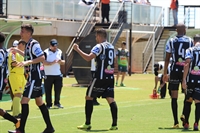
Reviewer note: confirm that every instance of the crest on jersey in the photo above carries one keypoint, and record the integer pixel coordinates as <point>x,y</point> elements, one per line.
<point>103,57</point>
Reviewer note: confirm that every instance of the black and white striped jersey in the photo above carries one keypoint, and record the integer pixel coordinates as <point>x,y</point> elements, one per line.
<point>3,67</point>
<point>193,53</point>
<point>104,60</point>
<point>177,47</point>
<point>32,51</point>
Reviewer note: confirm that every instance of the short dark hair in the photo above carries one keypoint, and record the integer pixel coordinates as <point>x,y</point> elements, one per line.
<point>196,38</point>
<point>22,42</point>
<point>101,32</point>
<point>28,27</point>
<point>123,42</point>
<point>2,37</point>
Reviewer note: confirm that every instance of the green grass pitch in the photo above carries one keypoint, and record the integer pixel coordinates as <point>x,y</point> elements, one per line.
<point>137,112</point>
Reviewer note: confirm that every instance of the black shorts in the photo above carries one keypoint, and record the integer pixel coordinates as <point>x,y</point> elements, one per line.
<point>33,89</point>
<point>193,90</point>
<point>101,88</point>
<point>175,79</point>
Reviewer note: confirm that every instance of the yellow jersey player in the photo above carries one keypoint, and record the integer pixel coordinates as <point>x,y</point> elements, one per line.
<point>16,77</point>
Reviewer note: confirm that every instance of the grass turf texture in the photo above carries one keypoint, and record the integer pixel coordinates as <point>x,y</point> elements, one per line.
<point>137,113</point>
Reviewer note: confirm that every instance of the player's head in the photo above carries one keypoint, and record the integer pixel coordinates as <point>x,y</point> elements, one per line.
<point>123,44</point>
<point>101,35</point>
<point>53,45</point>
<point>158,66</point>
<point>181,29</point>
<point>21,45</point>
<point>26,31</point>
<point>196,38</point>
<point>2,38</point>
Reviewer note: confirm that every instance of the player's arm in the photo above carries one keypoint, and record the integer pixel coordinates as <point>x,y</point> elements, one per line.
<point>62,61</point>
<point>47,63</point>
<point>188,57</point>
<point>17,50</point>
<point>85,56</point>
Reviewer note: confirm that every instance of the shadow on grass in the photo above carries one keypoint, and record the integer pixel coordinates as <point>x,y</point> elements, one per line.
<point>170,128</point>
<point>103,130</point>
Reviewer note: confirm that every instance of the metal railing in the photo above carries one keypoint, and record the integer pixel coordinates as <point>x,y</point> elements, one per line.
<point>117,23</point>
<point>59,9</point>
<point>85,28</point>
<point>147,52</point>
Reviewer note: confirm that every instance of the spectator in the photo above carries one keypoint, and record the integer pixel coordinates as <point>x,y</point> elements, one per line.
<point>105,8</point>
<point>16,78</point>
<point>122,57</point>
<point>53,75</point>
<point>174,8</point>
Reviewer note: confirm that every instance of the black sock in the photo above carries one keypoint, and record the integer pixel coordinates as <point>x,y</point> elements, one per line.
<point>88,111</point>
<point>113,109</point>
<point>10,118</point>
<point>174,106</point>
<point>25,112</point>
<point>45,114</point>
<point>197,113</point>
<point>187,110</point>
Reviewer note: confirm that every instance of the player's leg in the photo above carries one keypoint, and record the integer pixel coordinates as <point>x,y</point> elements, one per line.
<point>8,117</point>
<point>187,106</point>
<point>17,85</point>
<point>109,95</point>
<point>196,97</point>
<point>118,73</point>
<point>45,114</point>
<point>90,93</point>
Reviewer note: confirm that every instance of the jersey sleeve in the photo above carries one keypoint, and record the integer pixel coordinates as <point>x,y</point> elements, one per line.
<point>117,52</point>
<point>1,59</point>
<point>168,47</point>
<point>188,54</point>
<point>127,54</point>
<point>36,50</point>
<point>96,49</point>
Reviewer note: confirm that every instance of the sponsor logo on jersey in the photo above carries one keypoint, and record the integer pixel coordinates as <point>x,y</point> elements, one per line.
<point>109,70</point>
<point>103,57</point>
<point>195,71</point>
<point>96,50</point>
<point>38,51</point>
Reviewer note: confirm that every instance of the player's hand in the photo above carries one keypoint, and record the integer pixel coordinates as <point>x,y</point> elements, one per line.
<point>75,47</point>
<point>165,78</point>
<point>184,84</point>
<point>23,63</point>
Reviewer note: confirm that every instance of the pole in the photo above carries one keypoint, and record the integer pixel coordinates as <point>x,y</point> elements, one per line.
<point>130,43</point>
<point>153,52</point>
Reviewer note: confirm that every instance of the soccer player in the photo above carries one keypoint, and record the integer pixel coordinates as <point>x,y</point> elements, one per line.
<point>16,77</point>
<point>122,57</point>
<point>191,78</point>
<point>33,55</point>
<point>176,48</point>
<point>3,68</point>
<point>103,81</point>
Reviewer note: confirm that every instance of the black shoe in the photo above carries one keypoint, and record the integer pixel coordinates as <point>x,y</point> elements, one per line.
<point>58,106</point>
<point>15,131</point>
<point>50,130</point>
<point>49,107</point>
<point>96,103</point>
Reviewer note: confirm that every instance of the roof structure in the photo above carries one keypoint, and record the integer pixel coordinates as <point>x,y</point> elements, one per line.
<point>10,26</point>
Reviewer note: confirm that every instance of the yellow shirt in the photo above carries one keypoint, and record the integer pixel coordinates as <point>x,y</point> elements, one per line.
<point>18,58</point>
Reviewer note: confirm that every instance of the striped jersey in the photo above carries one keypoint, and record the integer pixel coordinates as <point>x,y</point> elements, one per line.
<point>3,67</point>
<point>177,47</point>
<point>33,51</point>
<point>193,53</point>
<point>104,60</point>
